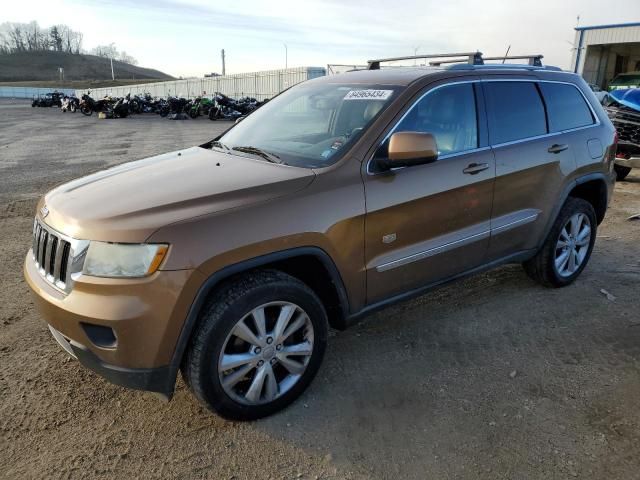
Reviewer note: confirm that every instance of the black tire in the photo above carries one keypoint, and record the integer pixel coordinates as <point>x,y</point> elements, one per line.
<point>621,172</point>
<point>542,268</point>
<point>227,307</point>
<point>86,111</point>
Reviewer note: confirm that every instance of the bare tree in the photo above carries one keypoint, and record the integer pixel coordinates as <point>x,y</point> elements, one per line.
<point>56,39</point>
<point>15,35</point>
<point>106,51</point>
<point>126,58</point>
<point>30,37</point>
<point>77,44</point>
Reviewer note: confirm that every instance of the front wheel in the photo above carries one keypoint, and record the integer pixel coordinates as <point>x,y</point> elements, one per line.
<point>86,111</point>
<point>568,247</point>
<point>258,345</point>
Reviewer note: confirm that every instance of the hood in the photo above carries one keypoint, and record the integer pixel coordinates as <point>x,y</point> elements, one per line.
<point>629,97</point>
<point>129,202</point>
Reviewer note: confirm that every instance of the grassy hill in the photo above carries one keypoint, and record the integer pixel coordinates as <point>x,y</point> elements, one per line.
<point>43,66</point>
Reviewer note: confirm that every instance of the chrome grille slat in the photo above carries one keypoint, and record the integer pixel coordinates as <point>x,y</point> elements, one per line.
<point>36,233</point>
<point>48,248</point>
<point>43,248</point>
<point>64,263</point>
<point>58,260</point>
<point>53,254</point>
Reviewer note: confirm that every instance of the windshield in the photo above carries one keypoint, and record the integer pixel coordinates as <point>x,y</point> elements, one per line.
<point>309,125</point>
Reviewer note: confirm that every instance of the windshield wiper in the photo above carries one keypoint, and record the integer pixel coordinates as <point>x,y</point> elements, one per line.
<point>218,144</point>
<point>271,157</point>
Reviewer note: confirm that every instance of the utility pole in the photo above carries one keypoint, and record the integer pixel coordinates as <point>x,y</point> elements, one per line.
<point>415,54</point>
<point>113,77</point>
<point>223,65</point>
<point>286,56</point>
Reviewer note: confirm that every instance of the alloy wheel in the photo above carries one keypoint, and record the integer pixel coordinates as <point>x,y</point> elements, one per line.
<point>573,245</point>
<point>266,353</point>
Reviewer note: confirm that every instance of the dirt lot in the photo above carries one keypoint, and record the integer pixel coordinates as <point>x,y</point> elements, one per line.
<point>491,378</point>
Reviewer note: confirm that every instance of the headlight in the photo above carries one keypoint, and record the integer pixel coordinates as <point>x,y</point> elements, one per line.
<point>123,259</point>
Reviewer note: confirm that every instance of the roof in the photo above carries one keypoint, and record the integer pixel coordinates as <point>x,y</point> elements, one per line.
<point>390,76</point>
<point>612,25</point>
<point>403,76</point>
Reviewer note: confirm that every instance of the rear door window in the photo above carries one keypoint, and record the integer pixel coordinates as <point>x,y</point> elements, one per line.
<point>566,107</point>
<point>515,111</point>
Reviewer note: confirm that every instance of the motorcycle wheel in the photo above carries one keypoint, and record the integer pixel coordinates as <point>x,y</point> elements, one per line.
<point>86,111</point>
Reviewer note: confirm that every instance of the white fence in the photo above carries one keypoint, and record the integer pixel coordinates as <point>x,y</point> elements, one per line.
<point>259,85</point>
<point>31,92</point>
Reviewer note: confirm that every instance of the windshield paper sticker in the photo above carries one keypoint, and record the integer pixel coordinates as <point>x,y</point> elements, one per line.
<point>368,95</point>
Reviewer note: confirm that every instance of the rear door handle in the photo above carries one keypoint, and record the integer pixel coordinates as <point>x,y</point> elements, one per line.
<point>474,168</point>
<point>557,148</point>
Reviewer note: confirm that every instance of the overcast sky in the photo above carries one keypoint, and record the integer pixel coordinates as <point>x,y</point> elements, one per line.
<point>184,37</point>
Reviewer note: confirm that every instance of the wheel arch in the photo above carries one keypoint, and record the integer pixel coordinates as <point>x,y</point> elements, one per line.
<point>580,187</point>
<point>312,265</point>
<point>593,190</point>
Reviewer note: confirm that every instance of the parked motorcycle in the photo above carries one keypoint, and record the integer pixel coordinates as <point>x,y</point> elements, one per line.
<point>70,104</point>
<point>231,109</point>
<point>199,106</point>
<point>117,107</point>
<point>88,105</point>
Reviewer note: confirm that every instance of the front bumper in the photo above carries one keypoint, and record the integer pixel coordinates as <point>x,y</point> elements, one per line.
<point>145,316</point>
<point>159,380</point>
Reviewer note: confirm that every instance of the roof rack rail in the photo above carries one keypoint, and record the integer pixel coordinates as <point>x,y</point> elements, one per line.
<point>472,58</point>
<point>534,60</point>
<point>500,66</point>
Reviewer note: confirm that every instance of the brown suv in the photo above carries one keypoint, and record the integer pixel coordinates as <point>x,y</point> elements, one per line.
<point>343,194</point>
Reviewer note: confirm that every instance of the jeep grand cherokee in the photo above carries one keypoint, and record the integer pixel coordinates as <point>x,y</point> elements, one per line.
<point>343,194</point>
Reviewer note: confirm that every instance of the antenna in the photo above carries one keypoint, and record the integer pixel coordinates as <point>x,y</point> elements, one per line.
<point>506,54</point>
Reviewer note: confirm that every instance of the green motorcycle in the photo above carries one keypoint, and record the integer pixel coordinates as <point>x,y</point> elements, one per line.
<point>200,106</point>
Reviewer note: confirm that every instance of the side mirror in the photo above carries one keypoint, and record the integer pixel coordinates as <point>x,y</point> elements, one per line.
<point>411,148</point>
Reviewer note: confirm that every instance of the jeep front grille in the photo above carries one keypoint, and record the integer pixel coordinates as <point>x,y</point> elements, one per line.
<point>627,123</point>
<point>53,254</point>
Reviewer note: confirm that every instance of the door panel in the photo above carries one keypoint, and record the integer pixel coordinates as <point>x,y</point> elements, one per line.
<point>528,179</point>
<point>426,223</point>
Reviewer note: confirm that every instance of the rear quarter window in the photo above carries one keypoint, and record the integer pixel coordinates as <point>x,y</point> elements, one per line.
<point>515,111</point>
<point>566,107</point>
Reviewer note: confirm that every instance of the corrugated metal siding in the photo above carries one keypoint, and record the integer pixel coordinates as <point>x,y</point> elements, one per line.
<point>259,85</point>
<point>604,36</point>
<point>31,92</point>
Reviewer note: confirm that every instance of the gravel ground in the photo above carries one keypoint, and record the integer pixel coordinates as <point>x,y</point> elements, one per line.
<point>494,377</point>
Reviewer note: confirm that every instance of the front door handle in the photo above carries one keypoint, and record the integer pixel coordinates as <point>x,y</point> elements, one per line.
<point>557,148</point>
<point>474,168</point>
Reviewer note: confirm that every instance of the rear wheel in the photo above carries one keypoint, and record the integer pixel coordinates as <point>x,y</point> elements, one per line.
<point>568,247</point>
<point>621,172</point>
<point>257,347</point>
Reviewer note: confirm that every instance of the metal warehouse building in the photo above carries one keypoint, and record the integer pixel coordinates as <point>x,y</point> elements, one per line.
<point>604,51</point>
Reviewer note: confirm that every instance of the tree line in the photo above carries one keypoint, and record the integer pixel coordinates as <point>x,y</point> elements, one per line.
<point>31,37</point>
